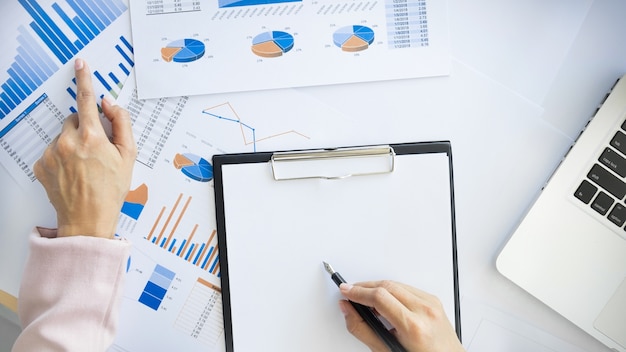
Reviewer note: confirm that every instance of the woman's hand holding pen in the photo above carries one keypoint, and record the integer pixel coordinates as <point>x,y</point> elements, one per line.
<point>418,318</point>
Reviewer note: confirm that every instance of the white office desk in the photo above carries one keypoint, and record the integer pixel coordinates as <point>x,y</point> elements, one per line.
<point>525,77</point>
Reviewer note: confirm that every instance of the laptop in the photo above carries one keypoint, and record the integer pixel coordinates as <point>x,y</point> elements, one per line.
<point>569,250</point>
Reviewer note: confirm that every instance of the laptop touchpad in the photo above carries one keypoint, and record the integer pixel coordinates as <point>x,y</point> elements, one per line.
<point>612,319</point>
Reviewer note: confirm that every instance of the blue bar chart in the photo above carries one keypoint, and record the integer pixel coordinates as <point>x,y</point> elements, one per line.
<point>113,81</point>
<point>156,288</point>
<point>53,37</point>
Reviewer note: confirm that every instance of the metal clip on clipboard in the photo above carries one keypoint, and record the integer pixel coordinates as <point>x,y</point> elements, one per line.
<point>333,164</point>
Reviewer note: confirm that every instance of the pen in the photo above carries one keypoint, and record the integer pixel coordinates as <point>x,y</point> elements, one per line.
<point>368,315</point>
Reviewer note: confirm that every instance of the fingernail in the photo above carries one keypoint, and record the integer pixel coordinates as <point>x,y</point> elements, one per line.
<point>108,100</point>
<point>78,64</point>
<point>345,287</point>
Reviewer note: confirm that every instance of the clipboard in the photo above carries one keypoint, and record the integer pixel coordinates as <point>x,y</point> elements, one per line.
<point>373,212</point>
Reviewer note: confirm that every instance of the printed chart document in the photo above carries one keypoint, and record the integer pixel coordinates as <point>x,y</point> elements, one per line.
<point>201,47</point>
<point>41,39</point>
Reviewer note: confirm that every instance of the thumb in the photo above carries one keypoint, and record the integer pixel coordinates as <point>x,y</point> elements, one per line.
<point>121,128</point>
<point>359,328</point>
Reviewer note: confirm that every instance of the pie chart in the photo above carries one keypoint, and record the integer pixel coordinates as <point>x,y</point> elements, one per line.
<point>353,38</point>
<point>194,167</point>
<point>272,44</point>
<point>183,50</point>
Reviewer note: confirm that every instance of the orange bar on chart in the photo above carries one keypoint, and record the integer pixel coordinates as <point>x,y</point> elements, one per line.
<point>180,217</point>
<point>210,259</point>
<point>184,250</point>
<point>206,247</point>
<point>169,218</point>
<point>217,267</point>
<point>155,224</point>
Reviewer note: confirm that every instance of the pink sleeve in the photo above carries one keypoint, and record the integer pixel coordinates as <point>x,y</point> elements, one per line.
<point>70,292</point>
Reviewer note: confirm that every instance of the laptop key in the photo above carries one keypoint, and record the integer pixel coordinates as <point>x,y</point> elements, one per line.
<point>613,161</point>
<point>605,179</point>
<point>602,203</point>
<point>585,191</point>
<point>619,142</point>
<point>618,215</point>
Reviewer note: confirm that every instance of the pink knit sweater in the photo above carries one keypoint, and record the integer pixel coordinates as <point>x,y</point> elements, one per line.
<point>70,292</point>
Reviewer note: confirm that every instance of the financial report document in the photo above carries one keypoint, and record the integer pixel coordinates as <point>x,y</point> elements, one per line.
<point>198,47</point>
<point>41,39</point>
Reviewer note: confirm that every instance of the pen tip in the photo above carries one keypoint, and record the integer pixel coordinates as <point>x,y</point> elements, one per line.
<point>328,268</point>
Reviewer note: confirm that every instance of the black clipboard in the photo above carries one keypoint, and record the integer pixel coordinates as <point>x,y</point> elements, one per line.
<point>373,212</point>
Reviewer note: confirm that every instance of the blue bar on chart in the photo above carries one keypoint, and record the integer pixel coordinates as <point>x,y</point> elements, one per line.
<point>202,254</point>
<point>31,67</point>
<point>60,32</point>
<point>156,287</point>
<point>111,82</point>
<point>49,31</point>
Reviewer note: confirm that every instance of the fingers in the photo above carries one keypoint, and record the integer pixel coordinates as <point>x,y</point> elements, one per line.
<point>88,116</point>
<point>403,292</point>
<point>122,130</point>
<point>359,328</point>
<point>392,300</point>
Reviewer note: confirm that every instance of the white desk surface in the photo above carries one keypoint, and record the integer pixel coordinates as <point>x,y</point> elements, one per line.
<point>525,77</point>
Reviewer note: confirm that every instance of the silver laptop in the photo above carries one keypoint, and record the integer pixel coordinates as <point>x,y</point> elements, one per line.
<point>569,250</point>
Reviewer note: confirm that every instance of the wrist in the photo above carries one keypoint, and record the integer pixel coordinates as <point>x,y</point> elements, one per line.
<point>93,229</point>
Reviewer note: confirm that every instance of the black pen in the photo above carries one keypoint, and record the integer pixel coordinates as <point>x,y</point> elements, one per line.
<point>368,315</point>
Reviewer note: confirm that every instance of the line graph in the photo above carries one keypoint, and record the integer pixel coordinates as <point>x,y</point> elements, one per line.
<point>226,112</point>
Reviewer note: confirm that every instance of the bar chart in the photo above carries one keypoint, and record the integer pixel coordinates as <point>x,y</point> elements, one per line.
<point>52,39</point>
<point>112,82</point>
<point>165,234</point>
<point>156,288</point>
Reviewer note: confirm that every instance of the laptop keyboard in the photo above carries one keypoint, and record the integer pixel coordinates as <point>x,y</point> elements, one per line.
<point>604,188</point>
